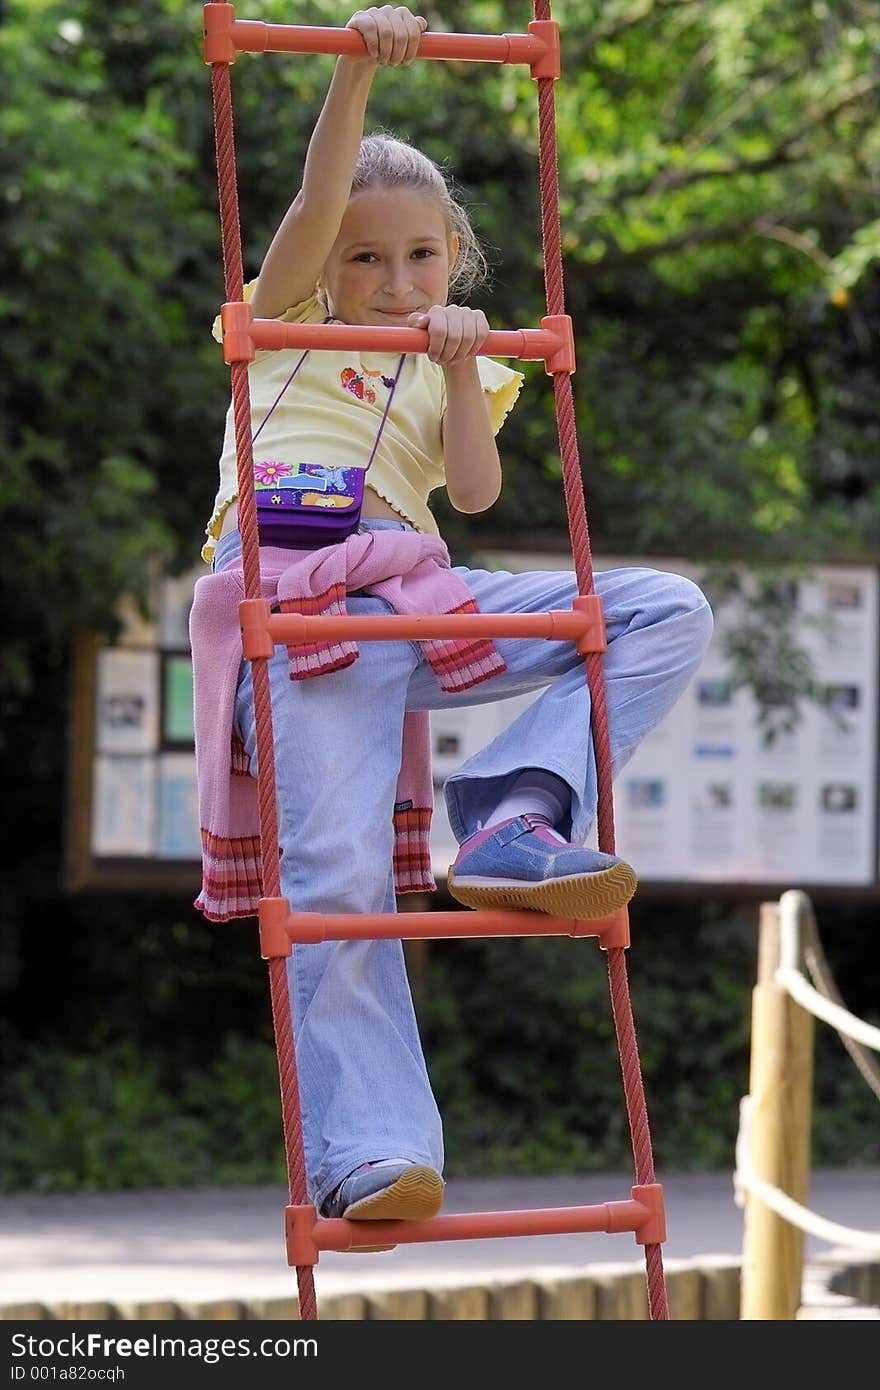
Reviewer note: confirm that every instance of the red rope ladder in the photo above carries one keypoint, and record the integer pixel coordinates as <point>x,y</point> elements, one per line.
<point>580,541</point>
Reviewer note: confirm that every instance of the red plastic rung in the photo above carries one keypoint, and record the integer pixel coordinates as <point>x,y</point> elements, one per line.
<point>280,928</point>
<point>299,629</point>
<point>612,930</point>
<point>307,1234</point>
<point>225,35</point>
<point>338,1234</point>
<point>243,334</point>
<point>530,344</point>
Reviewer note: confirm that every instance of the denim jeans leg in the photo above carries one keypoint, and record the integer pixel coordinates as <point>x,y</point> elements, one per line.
<point>658,626</point>
<point>364,1087</point>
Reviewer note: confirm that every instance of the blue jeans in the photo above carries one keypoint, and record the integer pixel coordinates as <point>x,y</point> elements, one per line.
<point>364,1087</point>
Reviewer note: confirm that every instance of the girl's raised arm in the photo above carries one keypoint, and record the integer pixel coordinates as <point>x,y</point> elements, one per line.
<point>311,224</point>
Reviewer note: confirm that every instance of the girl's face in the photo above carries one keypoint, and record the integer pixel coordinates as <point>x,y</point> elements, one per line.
<point>392,257</point>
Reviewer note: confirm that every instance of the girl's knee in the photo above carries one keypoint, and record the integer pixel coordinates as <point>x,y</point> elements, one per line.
<point>686,596</point>
<point>673,595</point>
<point>669,610</point>
<point>688,607</point>
<point>638,599</point>
<point>694,602</point>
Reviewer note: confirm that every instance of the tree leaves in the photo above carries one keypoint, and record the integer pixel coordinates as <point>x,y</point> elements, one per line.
<point>718,166</point>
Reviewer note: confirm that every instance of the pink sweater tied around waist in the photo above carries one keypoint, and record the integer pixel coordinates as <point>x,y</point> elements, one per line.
<point>411,572</point>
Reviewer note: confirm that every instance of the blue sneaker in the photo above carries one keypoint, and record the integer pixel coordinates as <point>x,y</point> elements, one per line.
<point>520,864</point>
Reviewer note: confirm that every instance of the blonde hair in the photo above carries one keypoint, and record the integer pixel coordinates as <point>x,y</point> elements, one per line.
<point>386,162</point>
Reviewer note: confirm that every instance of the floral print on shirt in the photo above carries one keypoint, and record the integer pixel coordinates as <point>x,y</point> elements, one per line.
<point>355,382</point>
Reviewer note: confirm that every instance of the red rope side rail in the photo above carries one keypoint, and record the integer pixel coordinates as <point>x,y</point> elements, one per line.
<point>580,541</point>
<point>224,34</point>
<point>230,228</point>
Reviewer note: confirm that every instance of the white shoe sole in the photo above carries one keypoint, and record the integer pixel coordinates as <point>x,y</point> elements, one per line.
<point>586,896</point>
<point>416,1195</point>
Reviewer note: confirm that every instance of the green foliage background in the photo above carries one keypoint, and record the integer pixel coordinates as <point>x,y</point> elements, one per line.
<point>719,168</point>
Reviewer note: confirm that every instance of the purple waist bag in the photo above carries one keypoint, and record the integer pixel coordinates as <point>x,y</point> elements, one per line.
<point>305,506</point>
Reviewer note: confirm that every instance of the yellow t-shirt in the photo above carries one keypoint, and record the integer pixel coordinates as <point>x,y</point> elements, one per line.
<point>331,412</point>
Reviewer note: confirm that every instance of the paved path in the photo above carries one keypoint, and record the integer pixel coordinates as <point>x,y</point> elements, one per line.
<point>227,1243</point>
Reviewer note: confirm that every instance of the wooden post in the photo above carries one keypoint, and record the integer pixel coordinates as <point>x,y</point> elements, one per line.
<point>80,753</point>
<point>780,1086</point>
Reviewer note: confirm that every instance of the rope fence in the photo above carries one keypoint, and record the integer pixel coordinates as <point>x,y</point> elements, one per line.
<point>773,1143</point>
<point>799,939</point>
<point>786,1207</point>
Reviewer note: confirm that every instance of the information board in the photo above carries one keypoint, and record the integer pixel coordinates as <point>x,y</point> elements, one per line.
<point>707,799</point>
<point>704,799</point>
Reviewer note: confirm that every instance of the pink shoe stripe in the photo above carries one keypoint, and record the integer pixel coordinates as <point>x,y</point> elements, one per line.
<point>535,828</point>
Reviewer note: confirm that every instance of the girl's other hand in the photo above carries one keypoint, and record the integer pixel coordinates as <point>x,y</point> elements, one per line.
<point>455,333</point>
<point>391,34</point>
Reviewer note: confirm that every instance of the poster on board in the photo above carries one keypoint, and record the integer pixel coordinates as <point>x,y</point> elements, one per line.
<point>708,798</point>
<point>127,701</point>
<point>124,806</point>
<point>177,808</point>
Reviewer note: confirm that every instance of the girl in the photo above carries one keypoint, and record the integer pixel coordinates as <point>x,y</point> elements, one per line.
<point>375,237</point>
